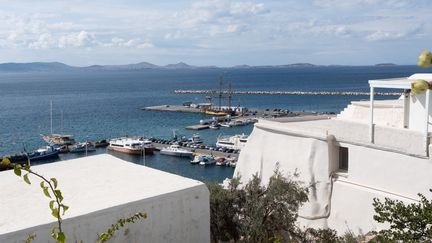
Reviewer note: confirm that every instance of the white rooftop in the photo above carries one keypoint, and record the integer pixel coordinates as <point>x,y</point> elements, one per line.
<point>399,83</point>
<point>90,184</point>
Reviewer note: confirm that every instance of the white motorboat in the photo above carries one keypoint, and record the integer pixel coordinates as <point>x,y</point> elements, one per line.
<point>82,148</point>
<point>176,150</point>
<point>207,160</point>
<point>195,139</point>
<point>196,159</point>
<point>232,142</point>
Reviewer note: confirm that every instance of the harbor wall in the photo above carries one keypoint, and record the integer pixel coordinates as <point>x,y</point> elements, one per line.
<point>340,200</point>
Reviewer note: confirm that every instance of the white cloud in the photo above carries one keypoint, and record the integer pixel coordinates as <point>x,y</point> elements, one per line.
<point>78,39</point>
<point>202,28</point>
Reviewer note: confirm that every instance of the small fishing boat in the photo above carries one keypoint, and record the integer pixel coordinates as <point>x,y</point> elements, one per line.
<point>196,159</point>
<point>232,162</point>
<point>221,161</point>
<point>102,143</point>
<point>82,148</point>
<point>225,124</point>
<point>214,125</point>
<point>207,160</point>
<point>48,152</point>
<point>196,139</point>
<point>176,150</point>
<point>61,148</point>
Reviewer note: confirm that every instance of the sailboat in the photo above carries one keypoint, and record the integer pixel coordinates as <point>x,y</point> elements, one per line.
<point>57,139</point>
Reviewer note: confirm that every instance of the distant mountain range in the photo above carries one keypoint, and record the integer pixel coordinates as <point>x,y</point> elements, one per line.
<point>58,66</point>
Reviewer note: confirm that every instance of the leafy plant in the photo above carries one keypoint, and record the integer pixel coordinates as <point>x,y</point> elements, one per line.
<point>408,222</point>
<point>50,189</point>
<point>104,237</point>
<point>256,213</point>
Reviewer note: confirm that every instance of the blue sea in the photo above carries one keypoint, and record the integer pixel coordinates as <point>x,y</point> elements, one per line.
<point>106,104</point>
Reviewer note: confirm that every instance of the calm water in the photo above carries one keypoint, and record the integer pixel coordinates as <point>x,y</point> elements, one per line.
<point>106,104</point>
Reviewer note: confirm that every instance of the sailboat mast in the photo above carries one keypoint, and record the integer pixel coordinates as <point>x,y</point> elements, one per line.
<point>229,96</point>
<point>51,118</point>
<point>61,122</point>
<point>220,92</point>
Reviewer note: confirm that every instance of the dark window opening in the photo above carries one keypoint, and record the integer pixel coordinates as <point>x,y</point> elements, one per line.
<point>343,159</point>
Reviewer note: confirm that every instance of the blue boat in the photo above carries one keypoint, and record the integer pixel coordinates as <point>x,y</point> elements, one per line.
<point>48,152</point>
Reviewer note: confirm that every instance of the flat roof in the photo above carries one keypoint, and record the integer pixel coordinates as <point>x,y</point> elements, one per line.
<point>88,185</point>
<point>399,83</point>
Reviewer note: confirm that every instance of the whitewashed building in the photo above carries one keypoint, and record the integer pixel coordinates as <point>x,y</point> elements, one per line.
<point>100,190</point>
<point>372,149</point>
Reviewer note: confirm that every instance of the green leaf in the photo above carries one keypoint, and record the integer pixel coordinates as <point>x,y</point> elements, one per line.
<point>65,208</point>
<point>5,161</point>
<point>51,204</point>
<point>53,232</point>
<point>17,170</point>
<point>46,192</point>
<point>42,184</point>
<point>26,179</point>
<point>59,195</point>
<point>54,212</point>
<point>54,180</point>
<point>61,237</point>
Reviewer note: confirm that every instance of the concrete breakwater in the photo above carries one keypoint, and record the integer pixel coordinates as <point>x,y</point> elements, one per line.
<point>269,92</point>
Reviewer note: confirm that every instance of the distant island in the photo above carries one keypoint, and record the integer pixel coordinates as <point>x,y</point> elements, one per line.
<point>58,66</point>
<point>385,64</point>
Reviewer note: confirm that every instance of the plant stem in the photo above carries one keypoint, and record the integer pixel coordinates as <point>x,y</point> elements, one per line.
<point>54,194</point>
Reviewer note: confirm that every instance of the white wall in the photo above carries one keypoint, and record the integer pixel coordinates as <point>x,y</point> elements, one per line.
<point>372,173</point>
<point>175,217</point>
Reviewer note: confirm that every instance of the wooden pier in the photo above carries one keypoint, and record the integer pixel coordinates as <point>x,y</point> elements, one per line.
<point>269,92</point>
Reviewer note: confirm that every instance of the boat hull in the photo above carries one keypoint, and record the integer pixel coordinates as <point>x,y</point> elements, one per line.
<point>43,156</point>
<point>131,151</point>
<point>174,153</point>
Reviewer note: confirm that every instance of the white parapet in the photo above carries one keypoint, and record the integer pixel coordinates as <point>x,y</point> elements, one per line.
<point>100,190</point>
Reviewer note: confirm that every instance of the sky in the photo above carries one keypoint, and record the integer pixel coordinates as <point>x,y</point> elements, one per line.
<point>215,32</point>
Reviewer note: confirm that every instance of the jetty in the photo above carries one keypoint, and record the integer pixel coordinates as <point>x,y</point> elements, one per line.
<point>270,92</point>
<point>172,108</point>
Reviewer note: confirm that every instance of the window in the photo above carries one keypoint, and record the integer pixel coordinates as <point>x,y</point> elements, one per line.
<point>343,159</point>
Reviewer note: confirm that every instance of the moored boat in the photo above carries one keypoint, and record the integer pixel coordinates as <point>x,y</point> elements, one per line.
<point>131,146</point>
<point>102,143</point>
<point>176,150</point>
<point>82,148</point>
<point>232,142</point>
<point>43,153</point>
<point>207,160</point>
<point>59,139</point>
<point>220,161</point>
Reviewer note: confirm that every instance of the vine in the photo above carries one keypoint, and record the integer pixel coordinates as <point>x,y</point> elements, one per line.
<point>50,189</point>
